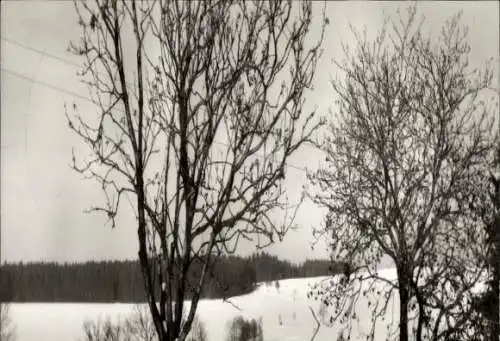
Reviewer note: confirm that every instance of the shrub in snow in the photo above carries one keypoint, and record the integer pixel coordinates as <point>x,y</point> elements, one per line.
<point>245,330</point>
<point>198,331</point>
<point>102,330</point>
<point>138,326</point>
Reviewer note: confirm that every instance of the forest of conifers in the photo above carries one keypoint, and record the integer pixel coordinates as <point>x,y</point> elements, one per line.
<point>121,281</point>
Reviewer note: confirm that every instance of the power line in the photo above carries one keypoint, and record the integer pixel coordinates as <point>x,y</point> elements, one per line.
<point>47,85</point>
<point>50,55</point>
<point>87,99</point>
<point>69,62</point>
<point>41,52</point>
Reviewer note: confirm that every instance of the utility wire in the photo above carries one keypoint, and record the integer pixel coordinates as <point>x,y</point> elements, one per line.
<point>57,89</point>
<point>47,85</point>
<point>44,53</point>
<point>74,94</point>
<point>49,55</point>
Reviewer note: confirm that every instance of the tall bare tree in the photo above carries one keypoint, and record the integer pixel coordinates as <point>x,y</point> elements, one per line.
<point>411,136</point>
<point>200,104</point>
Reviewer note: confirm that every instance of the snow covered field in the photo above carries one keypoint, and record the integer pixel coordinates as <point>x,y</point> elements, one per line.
<point>288,304</point>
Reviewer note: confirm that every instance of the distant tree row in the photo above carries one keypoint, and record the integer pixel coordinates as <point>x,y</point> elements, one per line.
<point>121,281</point>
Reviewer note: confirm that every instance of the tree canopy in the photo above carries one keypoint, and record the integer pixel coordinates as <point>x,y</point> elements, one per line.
<point>407,147</point>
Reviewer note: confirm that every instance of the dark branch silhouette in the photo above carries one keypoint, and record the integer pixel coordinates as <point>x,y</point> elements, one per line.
<point>200,106</point>
<point>405,150</point>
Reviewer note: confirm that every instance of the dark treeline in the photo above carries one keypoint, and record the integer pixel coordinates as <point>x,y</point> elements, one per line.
<point>121,281</point>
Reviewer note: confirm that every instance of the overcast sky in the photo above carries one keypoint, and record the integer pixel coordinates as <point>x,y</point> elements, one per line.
<point>42,199</point>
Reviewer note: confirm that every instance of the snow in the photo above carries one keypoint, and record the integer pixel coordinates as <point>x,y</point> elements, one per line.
<point>288,304</point>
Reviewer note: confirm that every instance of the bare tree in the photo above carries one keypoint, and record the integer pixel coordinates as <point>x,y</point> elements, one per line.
<point>200,104</point>
<point>103,330</point>
<point>198,331</point>
<point>139,325</point>
<point>412,135</point>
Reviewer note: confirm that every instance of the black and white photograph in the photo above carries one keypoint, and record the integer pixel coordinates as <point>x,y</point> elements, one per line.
<point>261,170</point>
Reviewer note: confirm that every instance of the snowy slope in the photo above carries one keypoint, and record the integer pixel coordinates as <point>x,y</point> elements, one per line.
<point>288,304</point>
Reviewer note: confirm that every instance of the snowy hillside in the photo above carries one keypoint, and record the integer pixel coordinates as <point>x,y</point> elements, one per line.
<point>284,309</point>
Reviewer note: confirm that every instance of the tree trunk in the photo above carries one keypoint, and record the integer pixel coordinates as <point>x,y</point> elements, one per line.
<point>404,299</point>
<point>421,314</point>
<point>496,304</point>
<point>403,314</point>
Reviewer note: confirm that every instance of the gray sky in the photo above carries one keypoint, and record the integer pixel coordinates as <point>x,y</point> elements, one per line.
<point>42,199</point>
